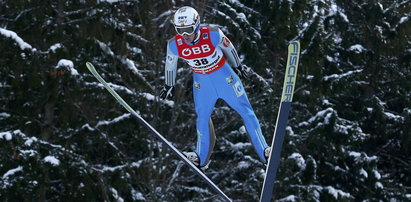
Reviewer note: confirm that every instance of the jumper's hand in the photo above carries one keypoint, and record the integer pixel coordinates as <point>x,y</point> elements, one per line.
<point>242,71</point>
<point>167,92</point>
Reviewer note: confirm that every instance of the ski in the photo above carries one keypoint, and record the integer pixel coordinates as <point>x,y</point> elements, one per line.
<point>282,118</point>
<point>194,168</point>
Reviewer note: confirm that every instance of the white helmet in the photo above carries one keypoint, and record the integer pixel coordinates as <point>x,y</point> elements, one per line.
<point>186,20</point>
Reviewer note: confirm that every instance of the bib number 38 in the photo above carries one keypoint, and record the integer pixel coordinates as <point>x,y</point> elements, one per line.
<point>199,62</point>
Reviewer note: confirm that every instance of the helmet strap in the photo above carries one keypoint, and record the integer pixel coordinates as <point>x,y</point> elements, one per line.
<point>197,36</point>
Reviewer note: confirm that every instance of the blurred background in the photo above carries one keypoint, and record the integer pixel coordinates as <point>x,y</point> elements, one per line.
<point>63,137</point>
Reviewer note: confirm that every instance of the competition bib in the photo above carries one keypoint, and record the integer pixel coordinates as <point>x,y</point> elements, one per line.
<point>203,57</point>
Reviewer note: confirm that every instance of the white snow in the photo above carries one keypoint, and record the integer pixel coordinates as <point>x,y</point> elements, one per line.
<point>12,172</point>
<point>164,14</point>
<point>136,50</point>
<point>196,189</point>
<point>118,88</point>
<point>379,185</point>
<point>147,96</point>
<point>338,168</point>
<point>137,196</point>
<point>138,37</point>
<point>137,164</point>
<point>394,117</point>
<point>52,160</point>
<point>298,158</point>
<point>344,129</point>
<point>54,47</point>
<point>288,199</point>
<point>105,48</point>
<point>241,145</point>
<point>290,131</point>
<point>343,16</point>
<point>336,192</point>
<point>29,152</point>
<point>377,175</point>
<point>105,168</point>
<point>362,156</point>
<point>112,169</point>
<point>326,102</point>
<point>324,114</point>
<point>264,81</point>
<point>381,6</point>
<point>242,130</point>
<point>404,19</point>
<point>333,8</point>
<point>129,63</point>
<point>242,17</point>
<point>69,65</point>
<point>30,141</point>
<point>330,59</point>
<point>23,45</point>
<point>309,77</point>
<point>88,127</point>
<point>5,135</point>
<point>115,120</point>
<point>363,173</point>
<point>357,48</point>
<point>243,165</point>
<point>151,97</point>
<point>354,154</point>
<point>81,185</point>
<point>115,195</point>
<point>339,76</point>
<point>132,66</point>
<point>3,84</point>
<point>109,1</point>
<point>4,115</point>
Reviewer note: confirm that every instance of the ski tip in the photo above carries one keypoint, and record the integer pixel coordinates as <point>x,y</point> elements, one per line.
<point>89,66</point>
<point>295,43</point>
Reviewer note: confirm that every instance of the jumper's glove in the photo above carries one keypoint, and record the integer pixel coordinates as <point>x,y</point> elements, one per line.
<point>167,92</point>
<point>242,71</point>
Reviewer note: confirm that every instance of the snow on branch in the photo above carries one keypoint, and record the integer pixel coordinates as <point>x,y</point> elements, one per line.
<point>7,179</point>
<point>337,193</point>
<point>130,64</point>
<point>357,48</point>
<point>64,63</point>
<point>340,76</point>
<point>24,45</point>
<point>362,156</point>
<point>111,1</point>
<point>13,35</point>
<point>12,172</point>
<point>52,160</point>
<point>115,120</point>
<point>166,14</point>
<point>6,135</point>
<point>106,168</point>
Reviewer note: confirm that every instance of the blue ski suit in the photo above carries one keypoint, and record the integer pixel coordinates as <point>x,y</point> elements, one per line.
<point>209,58</point>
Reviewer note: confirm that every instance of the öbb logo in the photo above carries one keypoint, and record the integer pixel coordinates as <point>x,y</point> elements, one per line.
<point>196,50</point>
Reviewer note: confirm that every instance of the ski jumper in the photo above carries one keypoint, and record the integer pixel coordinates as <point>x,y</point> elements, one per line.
<point>214,79</point>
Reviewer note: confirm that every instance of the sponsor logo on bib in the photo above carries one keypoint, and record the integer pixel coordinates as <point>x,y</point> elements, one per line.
<point>196,50</point>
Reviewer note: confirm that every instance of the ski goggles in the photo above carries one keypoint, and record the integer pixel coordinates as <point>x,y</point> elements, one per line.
<point>189,30</point>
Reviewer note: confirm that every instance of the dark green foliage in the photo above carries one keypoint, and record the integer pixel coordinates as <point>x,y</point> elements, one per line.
<point>348,139</point>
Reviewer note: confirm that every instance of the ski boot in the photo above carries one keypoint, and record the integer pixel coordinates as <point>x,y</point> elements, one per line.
<point>193,157</point>
<point>267,152</point>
